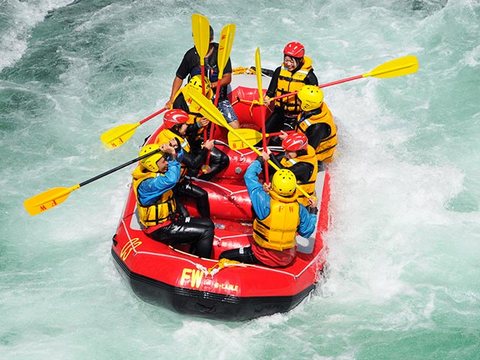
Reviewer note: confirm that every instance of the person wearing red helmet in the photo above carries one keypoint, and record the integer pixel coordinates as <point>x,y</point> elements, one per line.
<point>300,158</point>
<point>295,72</point>
<point>176,127</point>
<point>195,130</point>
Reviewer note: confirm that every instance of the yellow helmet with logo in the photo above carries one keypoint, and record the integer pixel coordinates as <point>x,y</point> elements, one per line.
<point>284,182</point>
<point>196,83</point>
<point>150,162</point>
<point>311,97</point>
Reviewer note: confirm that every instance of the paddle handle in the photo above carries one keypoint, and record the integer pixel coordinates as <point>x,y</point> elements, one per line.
<point>341,81</point>
<point>152,115</point>
<point>108,172</point>
<point>279,133</point>
<point>212,125</point>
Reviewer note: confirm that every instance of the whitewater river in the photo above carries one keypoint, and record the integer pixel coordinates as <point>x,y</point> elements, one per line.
<point>404,274</point>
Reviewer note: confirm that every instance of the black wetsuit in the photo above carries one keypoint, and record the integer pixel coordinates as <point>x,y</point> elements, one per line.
<point>186,230</point>
<point>316,132</point>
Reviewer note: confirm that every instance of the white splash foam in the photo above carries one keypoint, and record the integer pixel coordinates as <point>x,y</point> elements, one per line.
<point>24,16</point>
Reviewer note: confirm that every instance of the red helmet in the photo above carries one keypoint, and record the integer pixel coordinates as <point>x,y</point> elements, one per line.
<point>295,142</point>
<point>174,117</point>
<point>294,49</point>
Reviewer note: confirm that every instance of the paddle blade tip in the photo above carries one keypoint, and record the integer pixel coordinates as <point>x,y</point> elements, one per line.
<point>48,199</point>
<point>118,135</point>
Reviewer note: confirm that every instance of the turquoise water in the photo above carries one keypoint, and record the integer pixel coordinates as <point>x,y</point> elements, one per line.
<point>403,279</point>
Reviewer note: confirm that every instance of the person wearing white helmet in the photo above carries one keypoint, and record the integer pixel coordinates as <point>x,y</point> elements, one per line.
<point>295,71</point>
<point>157,209</point>
<point>278,219</point>
<point>190,66</point>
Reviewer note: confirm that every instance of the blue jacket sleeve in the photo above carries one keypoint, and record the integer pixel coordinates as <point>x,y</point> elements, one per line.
<point>307,222</point>
<point>151,189</point>
<point>260,199</point>
<point>180,156</point>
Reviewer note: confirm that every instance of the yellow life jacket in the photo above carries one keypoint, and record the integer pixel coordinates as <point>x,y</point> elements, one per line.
<point>278,230</point>
<point>165,136</point>
<point>164,207</point>
<point>289,82</point>
<point>309,187</point>
<point>326,147</point>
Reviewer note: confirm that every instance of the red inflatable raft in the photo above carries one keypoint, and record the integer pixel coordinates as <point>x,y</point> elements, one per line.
<point>169,277</point>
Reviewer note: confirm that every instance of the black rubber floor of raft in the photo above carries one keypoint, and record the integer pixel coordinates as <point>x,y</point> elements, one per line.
<point>206,304</point>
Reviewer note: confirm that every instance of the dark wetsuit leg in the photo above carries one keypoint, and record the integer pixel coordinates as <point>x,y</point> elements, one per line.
<point>195,231</point>
<point>189,190</point>
<point>244,255</point>
<point>218,161</point>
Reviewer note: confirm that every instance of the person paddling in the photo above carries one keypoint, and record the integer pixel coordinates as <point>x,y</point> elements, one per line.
<point>295,71</point>
<point>317,123</point>
<point>300,158</point>
<point>278,218</point>
<point>175,122</point>
<point>195,130</point>
<point>158,211</point>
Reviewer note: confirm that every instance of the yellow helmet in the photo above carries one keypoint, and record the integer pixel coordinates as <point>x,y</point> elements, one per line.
<point>311,97</point>
<point>196,84</point>
<point>284,182</point>
<point>150,162</point>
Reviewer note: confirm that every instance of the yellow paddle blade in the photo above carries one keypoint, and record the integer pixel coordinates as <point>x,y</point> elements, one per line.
<point>251,136</point>
<point>397,67</point>
<point>225,47</point>
<point>118,135</point>
<point>258,70</point>
<point>48,199</point>
<point>201,35</point>
<point>207,108</point>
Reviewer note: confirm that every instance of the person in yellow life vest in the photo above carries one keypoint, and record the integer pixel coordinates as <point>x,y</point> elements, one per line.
<point>194,133</point>
<point>300,158</point>
<point>158,211</point>
<point>295,72</point>
<point>174,133</point>
<point>279,217</point>
<point>317,123</point>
